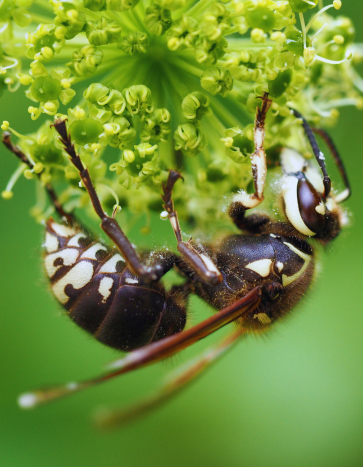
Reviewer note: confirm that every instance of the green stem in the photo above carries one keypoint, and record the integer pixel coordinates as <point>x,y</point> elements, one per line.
<point>138,20</point>
<point>123,20</point>
<point>41,19</point>
<point>187,67</point>
<point>223,113</point>
<point>199,7</point>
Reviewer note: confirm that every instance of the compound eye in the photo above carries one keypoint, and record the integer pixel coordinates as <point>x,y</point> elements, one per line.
<point>311,206</point>
<point>304,206</point>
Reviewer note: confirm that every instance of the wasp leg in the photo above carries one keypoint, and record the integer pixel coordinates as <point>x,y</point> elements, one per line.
<point>258,160</point>
<point>339,163</point>
<point>254,223</point>
<point>199,261</point>
<point>48,187</point>
<point>153,352</point>
<point>172,385</point>
<point>108,224</point>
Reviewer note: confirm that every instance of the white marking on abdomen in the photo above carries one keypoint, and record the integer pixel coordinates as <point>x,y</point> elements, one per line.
<point>130,280</point>
<point>74,241</point>
<point>261,267</point>
<point>62,230</point>
<point>110,266</point>
<point>79,276</point>
<point>105,288</point>
<point>51,243</point>
<point>68,255</point>
<point>91,252</point>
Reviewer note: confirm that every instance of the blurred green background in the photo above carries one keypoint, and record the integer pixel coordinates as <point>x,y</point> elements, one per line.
<point>293,397</point>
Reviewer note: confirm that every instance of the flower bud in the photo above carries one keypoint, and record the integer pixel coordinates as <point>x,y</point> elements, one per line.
<point>157,19</point>
<point>95,5</point>
<point>189,139</point>
<point>217,81</point>
<point>155,126</point>
<point>138,99</point>
<point>102,32</point>
<point>194,106</point>
<point>238,145</point>
<point>86,60</point>
<point>182,33</point>
<point>134,42</point>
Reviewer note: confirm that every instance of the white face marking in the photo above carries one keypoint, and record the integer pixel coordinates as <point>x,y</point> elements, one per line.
<point>68,255</point>
<point>280,266</point>
<point>51,242</point>
<point>79,276</point>
<point>62,230</point>
<point>286,280</point>
<point>105,288</point>
<point>292,161</point>
<point>91,252</point>
<point>261,267</point>
<point>292,206</point>
<point>209,263</point>
<point>74,241</point>
<point>129,280</point>
<point>110,266</point>
<point>262,318</point>
<point>314,177</point>
<point>320,208</point>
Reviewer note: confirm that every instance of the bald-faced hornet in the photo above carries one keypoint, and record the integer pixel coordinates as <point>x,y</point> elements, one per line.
<point>253,278</point>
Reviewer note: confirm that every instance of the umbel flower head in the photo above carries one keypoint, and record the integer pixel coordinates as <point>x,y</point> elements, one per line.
<point>148,86</point>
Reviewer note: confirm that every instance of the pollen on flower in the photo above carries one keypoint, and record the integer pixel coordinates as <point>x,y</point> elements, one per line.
<point>7,194</point>
<point>148,86</point>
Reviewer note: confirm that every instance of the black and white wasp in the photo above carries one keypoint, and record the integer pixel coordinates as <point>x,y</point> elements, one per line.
<point>253,278</point>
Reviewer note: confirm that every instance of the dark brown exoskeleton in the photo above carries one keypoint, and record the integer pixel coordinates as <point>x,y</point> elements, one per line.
<point>254,278</point>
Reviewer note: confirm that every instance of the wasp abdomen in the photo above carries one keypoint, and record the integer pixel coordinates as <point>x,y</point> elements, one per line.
<point>102,296</point>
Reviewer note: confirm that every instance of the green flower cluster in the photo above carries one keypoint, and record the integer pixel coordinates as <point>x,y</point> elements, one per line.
<point>171,84</point>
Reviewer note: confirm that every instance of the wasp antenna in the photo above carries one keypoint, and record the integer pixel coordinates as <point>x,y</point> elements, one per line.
<point>344,195</point>
<point>316,150</point>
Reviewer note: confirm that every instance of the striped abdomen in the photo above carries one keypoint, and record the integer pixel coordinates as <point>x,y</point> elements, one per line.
<point>102,296</point>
